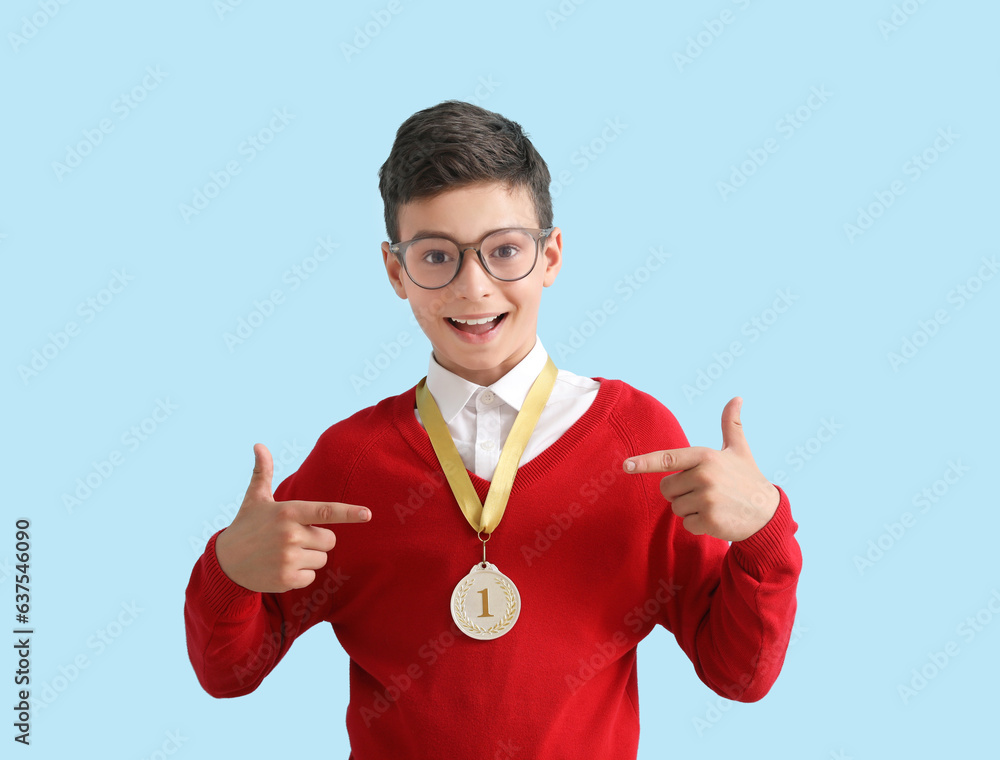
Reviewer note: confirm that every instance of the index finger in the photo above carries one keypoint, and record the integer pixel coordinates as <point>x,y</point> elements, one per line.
<point>668,460</point>
<point>324,512</point>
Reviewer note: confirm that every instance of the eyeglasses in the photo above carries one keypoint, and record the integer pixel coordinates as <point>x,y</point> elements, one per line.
<point>433,262</point>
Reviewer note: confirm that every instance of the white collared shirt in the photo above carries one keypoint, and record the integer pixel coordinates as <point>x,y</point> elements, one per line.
<point>479,418</point>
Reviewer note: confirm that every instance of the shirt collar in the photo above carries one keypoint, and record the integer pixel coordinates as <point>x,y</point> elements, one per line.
<point>452,393</point>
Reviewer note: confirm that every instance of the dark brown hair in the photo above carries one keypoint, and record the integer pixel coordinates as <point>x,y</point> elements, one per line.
<point>453,144</point>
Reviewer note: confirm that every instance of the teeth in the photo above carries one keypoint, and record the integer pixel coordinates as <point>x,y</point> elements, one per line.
<point>474,321</point>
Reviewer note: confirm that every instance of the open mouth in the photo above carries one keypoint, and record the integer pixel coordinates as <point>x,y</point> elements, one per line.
<point>477,326</point>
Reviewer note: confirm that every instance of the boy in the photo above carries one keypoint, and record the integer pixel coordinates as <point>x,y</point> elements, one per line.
<point>532,652</point>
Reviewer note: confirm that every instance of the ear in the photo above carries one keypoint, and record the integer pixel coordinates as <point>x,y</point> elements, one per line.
<point>551,256</point>
<point>394,270</point>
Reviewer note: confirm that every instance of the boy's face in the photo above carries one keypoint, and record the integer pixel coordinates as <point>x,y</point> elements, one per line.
<point>467,214</point>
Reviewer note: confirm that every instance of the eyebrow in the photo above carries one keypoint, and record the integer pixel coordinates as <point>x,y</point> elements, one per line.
<point>438,233</point>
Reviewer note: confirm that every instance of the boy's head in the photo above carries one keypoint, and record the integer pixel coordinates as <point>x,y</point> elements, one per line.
<point>461,172</point>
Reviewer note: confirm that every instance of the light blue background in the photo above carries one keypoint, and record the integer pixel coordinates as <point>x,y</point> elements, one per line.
<point>859,634</point>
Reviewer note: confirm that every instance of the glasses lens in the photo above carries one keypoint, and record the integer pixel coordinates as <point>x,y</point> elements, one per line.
<point>432,262</point>
<point>509,254</point>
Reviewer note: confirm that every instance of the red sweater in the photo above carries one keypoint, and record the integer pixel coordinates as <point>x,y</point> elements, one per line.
<point>596,553</point>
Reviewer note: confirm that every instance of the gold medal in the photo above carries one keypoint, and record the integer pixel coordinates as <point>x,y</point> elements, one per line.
<point>485,604</point>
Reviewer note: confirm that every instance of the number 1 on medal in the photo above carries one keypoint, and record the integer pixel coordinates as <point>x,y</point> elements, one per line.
<point>486,603</point>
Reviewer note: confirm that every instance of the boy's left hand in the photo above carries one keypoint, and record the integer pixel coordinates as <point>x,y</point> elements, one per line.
<point>721,493</point>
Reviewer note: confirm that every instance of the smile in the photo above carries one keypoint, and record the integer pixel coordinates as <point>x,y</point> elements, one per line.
<point>476,330</point>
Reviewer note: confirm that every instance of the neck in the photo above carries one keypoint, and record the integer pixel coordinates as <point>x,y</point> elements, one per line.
<point>488,376</point>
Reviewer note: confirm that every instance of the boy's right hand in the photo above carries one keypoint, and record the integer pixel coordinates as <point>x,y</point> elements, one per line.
<point>276,546</point>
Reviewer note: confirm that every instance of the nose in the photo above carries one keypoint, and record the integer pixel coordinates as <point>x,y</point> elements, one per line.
<point>472,279</point>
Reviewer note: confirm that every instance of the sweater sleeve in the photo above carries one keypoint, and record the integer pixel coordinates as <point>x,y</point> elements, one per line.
<point>236,636</point>
<point>734,604</point>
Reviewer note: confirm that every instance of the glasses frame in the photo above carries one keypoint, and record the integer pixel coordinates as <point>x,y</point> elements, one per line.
<point>537,234</point>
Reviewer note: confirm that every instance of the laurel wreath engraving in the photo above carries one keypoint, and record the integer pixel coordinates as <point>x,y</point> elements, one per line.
<point>468,625</point>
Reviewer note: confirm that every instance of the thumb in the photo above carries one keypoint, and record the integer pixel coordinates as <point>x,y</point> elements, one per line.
<point>732,428</point>
<point>263,472</point>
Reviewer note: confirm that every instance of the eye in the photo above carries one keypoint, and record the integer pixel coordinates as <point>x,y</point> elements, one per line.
<point>435,257</point>
<point>505,252</point>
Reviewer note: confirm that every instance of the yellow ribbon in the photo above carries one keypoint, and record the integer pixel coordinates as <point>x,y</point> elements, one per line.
<point>485,519</point>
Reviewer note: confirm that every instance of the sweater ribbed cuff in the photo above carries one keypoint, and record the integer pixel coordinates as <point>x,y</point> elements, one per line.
<point>225,597</point>
<point>768,547</point>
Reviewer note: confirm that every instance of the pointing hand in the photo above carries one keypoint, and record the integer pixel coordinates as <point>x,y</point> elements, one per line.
<point>718,492</point>
<point>276,546</point>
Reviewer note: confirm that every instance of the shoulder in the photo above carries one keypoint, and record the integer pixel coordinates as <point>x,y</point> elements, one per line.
<point>640,413</point>
<point>341,448</point>
<point>359,430</point>
<point>345,443</point>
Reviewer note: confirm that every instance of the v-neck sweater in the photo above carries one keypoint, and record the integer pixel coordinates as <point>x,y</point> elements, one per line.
<point>598,558</point>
